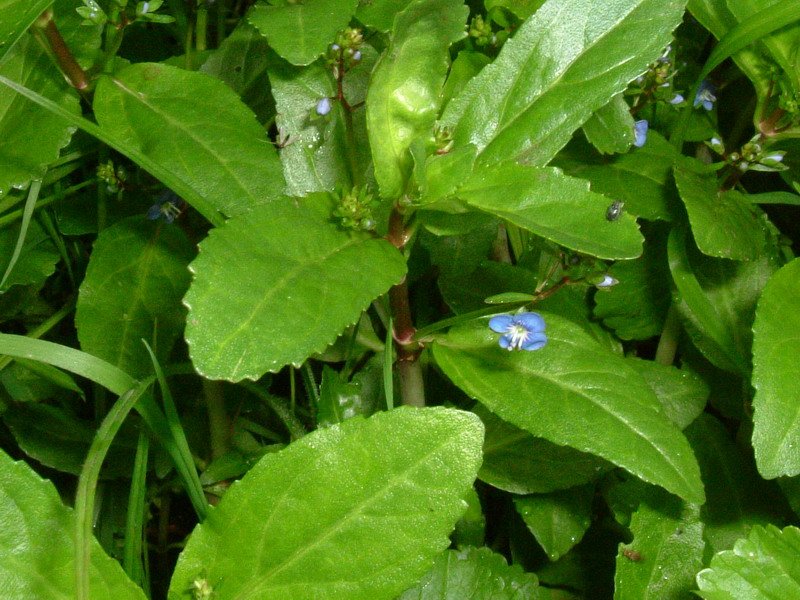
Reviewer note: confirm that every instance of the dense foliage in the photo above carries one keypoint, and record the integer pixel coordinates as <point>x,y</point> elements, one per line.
<point>366,299</point>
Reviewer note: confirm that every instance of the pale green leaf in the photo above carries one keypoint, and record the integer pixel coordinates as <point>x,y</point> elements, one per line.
<point>563,63</point>
<point>610,128</point>
<point>132,290</point>
<point>380,14</point>
<point>356,510</point>
<point>763,566</point>
<point>776,434</point>
<point>278,284</point>
<point>302,31</point>
<point>724,224</point>
<point>197,127</point>
<point>558,520</point>
<point>36,543</point>
<point>404,93</point>
<point>555,206</point>
<point>573,392</point>
<point>475,574</point>
<point>683,394</point>
<point>666,552</point>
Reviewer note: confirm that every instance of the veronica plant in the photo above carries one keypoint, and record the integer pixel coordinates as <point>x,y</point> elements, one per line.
<point>399,299</point>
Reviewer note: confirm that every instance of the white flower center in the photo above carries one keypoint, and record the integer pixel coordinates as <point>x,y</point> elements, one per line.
<point>518,335</point>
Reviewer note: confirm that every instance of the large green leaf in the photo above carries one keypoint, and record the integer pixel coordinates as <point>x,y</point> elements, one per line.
<point>737,498</point>
<point>666,552</point>
<point>573,392</point>
<point>558,520</point>
<point>682,393</point>
<point>197,127</point>
<point>724,224</point>
<point>278,284</point>
<point>776,433</point>
<point>36,543</point>
<point>555,206</point>
<point>564,63</point>
<point>133,287</point>
<point>356,510</point>
<point>18,15</point>
<point>763,566</point>
<point>302,31</point>
<point>517,462</point>
<point>610,128</point>
<point>380,14</point>
<point>404,94</point>
<point>475,574</point>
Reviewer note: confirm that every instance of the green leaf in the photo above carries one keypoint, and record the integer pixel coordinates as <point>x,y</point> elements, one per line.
<point>737,498</point>
<point>764,566</point>
<point>573,392</point>
<point>278,284</point>
<point>301,32</point>
<point>717,300</point>
<point>404,93</point>
<point>555,206</point>
<point>558,520</point>
<point>641,178</point>
<point>241,61</point>
<point>132,291</point>
<point>666,552</point>
<point>682,393</point>
<point>197,127</point>
<point>380,14</point>
<point>356,510</point>
<point>475,574</point>
<point>724,224</point>
<point>610,128</point>
<point>20,121</point>
<point>637,306</point>
<point>37,260</point>
<point>559,68</point>
<point>470,529</point>
<point>776,433</point>
<point>18,15</point>
<point>340,400</point>
<point>466,65</point>
<point>517,462</point>
<point>36,543</point>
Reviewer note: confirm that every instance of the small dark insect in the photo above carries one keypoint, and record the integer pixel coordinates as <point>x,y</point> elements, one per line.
<point>632,555</point>
<point>615,210</point>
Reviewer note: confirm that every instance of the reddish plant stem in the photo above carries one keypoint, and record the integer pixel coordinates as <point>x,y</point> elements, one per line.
<point>49,35</point>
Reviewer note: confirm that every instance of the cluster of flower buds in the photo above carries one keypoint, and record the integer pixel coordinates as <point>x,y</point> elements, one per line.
<point>114,178</point>
<point>481,31</point>
<point>345,52</point>
<point>751,157</point>
<point>592,271</point>
<point>656,82</point>
<point>354,209</point>
<point>93,14</point>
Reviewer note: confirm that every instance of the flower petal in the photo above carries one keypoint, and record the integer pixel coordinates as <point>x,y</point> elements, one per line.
<point>501,323</point>
<point>532,321</point>
<point>505,341</point>
<point>640,133</point>
<point>534,341</point>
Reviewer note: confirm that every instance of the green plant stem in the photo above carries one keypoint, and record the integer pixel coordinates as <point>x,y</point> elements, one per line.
<point>668,342</point>
<point>50,37</point>
<point>134,520</point>
<point>412,385</point>
<point>42,202</point>
<point>349,131</point>
<point>279,407</point>
<point>219,423</point>
<point>201,28</point>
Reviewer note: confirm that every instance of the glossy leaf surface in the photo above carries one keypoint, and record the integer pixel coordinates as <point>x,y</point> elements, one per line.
<point>682,393</point>
<point>555,206</point>
<point>404,92</point>
<point>278,284</point>
<point>776,434</point>
<point>763,566</point>
<point>610,128</point>
<point>132,291</point>
<point>563,63</point>
<point>300,32</point>
<point>475,574</point>
<point>36,543</point>
<point>391,487</point>
<point>568,392</point>
<point>666,552</point>
<point>18,15</point>
<point>197,127</point>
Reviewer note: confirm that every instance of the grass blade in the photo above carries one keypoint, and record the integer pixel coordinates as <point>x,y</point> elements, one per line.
<point>134,521</point>
<point>30,204</point>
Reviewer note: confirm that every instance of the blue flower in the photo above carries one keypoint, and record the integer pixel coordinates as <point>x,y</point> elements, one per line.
<point>705,95</point>
<point>167,206</point>
<point>607,282</point>
<point>640,133</point>
<point>676,99</point>
<point>524,331</point>
<point>324,106</point>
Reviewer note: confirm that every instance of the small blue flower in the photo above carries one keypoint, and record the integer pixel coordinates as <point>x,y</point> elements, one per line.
<point>167,206</point>
<point>524,331</point>
<point>705,95</point>
<point>640,133</point>
<point>324,106</point>
<point>607,282</point>
<point>357,56</point>
<point>676,99</point>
